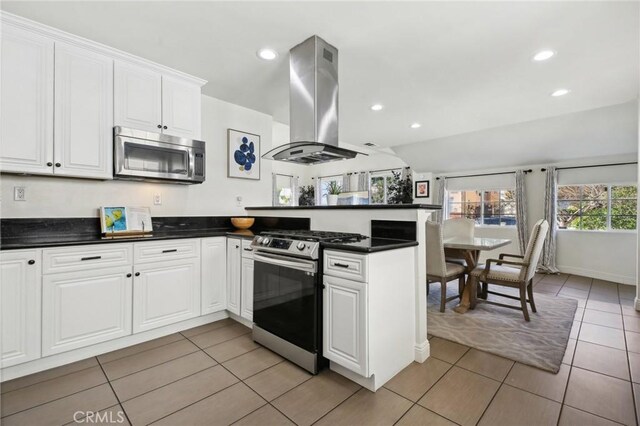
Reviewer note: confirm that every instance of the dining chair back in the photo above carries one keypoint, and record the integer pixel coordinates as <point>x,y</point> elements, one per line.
<point>534,249</point>
<point>438,269</point>
<point>463,228</point>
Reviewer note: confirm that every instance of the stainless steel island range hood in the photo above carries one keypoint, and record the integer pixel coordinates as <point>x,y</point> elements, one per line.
<point>313,106</point>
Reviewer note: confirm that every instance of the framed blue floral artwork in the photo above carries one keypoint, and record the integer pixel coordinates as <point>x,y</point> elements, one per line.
<point>243,159</point>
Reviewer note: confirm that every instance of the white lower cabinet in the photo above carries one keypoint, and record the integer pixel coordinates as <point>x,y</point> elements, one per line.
<point>20,299</point>
<point>83,308</point>
<point>165,293</point>
<point>246,304</point>
<point>345,323</point>
<point>214,274</point>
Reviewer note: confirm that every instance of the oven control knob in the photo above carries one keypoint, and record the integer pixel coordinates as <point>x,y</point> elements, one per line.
<point>301,246</point>
<point>266,241</point>
<point>258,240</point>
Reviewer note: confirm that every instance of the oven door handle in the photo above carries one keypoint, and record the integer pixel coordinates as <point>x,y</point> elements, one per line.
<point>287,262</point>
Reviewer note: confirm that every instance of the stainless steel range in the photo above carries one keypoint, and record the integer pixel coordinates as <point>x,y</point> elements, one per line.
<point>287,293</point>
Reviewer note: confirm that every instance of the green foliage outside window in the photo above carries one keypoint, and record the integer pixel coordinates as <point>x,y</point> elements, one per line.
<point>597,207</point>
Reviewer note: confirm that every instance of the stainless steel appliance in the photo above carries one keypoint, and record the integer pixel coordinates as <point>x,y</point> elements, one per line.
<point>287,293</point>
<point>313,106</point>
<point>140,155</point>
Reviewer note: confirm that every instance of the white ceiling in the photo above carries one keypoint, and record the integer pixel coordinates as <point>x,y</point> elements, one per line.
<point>455,67</point>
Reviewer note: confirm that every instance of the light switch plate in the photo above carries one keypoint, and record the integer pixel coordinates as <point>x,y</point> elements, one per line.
<point>157,199</point>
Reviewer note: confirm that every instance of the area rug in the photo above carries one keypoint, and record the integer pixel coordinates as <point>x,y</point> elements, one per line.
<point>540,343</point>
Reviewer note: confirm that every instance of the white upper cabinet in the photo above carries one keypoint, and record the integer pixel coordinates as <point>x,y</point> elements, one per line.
<point>83,113</point>
<point>137,97</point>
<point>26,104</point>
<point>181,106</point>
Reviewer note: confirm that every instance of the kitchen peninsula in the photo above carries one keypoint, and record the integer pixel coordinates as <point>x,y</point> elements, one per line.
<point>358,219</point>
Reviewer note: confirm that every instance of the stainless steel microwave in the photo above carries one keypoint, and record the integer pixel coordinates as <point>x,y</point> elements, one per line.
<point>140,155</point>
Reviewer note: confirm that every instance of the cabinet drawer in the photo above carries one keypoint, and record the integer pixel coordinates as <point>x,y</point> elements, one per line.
<point>247,251</point>
<point>165,250</point>
<point>78,258</point>
<point>345,265</point>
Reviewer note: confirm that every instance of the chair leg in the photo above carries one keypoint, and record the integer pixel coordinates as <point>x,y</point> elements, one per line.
<point>523,302</point>
<point>428,288</point>
<point>461,285</point>
<point>530,294</point>
<point>485,289</point>
<point>443,293</point>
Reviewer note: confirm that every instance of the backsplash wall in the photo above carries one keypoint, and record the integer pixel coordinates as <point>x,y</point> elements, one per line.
<point>64,197</point>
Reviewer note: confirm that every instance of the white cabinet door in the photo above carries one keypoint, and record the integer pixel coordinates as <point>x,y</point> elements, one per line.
<point>234,258</point>
<point>214,274</point>
<point>247,289</point>
<point>165,293</point>
<point>345,334</point>
<point>20,306</point>
<point>83,137</point>
<point>137,97</point>
<point>26,102</point>
<point>83,308</point>
<point>181,105</point>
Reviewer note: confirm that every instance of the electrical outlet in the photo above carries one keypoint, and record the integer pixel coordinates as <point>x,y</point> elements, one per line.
<point>157,199</point>
<point>239,200</point>
<point>19,193</point>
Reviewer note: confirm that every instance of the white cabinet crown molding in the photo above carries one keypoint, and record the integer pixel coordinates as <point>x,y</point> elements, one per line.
<point>63,36</point>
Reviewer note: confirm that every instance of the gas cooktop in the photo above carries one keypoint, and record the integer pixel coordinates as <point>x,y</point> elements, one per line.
<point>300,243</point>
<point>310,235</point>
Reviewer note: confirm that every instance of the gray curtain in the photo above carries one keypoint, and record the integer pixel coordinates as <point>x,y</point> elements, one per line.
<point>521,212</point>
<point>346,182</point>
<point>439,199</point>
<point>363,181</point>
<point>274,185</point>
<point>548,260</point>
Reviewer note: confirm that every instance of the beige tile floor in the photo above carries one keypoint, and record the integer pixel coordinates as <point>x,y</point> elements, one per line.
<point>216,375</point>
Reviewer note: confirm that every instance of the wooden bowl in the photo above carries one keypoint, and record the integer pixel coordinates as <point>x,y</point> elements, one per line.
<point>242,222</point>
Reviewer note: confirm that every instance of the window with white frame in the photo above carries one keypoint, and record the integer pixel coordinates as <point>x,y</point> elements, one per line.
<point>597,207</point>
<point>283,190</point>
<point>325,183</point>
<point>379,183</point>
<point>496,207</point>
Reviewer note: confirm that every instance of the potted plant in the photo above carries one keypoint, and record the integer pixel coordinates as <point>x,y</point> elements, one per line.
<point>307,196</point>
<point>401,188</point>
<point>333,190</point>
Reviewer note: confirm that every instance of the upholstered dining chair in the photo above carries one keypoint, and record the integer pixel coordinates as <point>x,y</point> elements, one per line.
<point>438,270</point>
<point>458,228</point>
<point>510,273</point>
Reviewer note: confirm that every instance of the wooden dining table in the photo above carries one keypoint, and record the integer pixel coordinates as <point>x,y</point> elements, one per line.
<point>469,249</point>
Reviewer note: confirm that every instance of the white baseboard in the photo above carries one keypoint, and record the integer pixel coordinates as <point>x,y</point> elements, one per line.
<point>64,358</point>
<point>422,351</point>
<point>621,279</point>
<point>241,320</point>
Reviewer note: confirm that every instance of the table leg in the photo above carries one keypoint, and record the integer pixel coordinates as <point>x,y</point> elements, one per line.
<point>468,299</point>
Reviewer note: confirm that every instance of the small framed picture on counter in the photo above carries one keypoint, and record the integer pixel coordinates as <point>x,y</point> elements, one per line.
<point>422,189</point>
<point>125,221</point>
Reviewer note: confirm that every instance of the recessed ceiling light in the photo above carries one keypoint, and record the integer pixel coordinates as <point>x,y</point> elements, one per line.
<point>376,107</point>
<point>560,92</point>
<point>267,54</point>
<point>415,125</point>
<point>543,55</point>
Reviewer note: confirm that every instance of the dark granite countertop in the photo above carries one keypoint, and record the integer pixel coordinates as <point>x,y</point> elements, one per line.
<point>57,232</point>
<point>371,245</point>
<point>357,207</point>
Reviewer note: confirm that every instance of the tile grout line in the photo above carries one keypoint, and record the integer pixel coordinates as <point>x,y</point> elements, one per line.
<point>114,391</point>
<point>494,395</point>
<point>339,404</point>
<point>45,380</point>
<point>633,393</point>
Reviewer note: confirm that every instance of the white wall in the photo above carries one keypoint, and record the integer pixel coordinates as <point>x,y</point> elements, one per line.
<point>604,255</point>
<point>64,197</point>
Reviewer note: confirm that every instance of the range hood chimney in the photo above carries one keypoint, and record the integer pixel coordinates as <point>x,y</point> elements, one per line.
<point>313,106</point>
